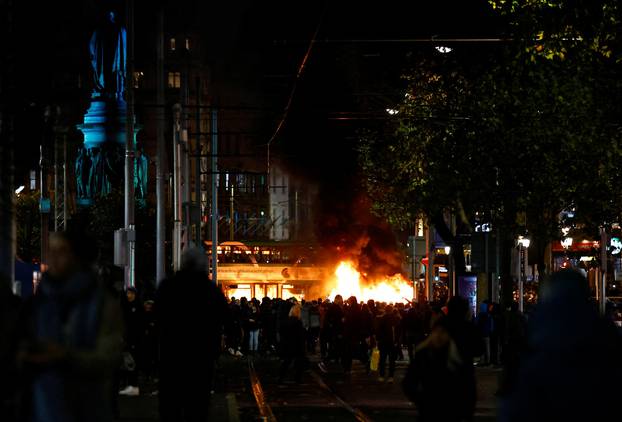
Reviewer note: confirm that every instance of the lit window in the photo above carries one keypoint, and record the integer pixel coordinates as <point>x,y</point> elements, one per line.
<point>172,44</point>
<point>174,79</point>
<point>187,43</point>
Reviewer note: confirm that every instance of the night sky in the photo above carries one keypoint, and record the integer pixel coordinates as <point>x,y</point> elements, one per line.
<point>254,50</point>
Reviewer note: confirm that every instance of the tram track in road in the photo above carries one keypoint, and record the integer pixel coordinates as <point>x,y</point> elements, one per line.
<point>312,399</point>
<point>336,397</point>
<point>262,404</point>
<point>357,413</point>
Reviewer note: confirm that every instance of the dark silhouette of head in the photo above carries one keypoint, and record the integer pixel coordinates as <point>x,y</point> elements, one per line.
<point>568,286</point>
<point>457,308</point>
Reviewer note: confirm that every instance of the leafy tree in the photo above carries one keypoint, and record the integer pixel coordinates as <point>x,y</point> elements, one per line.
<point>106,216</point>
<point>28,226</point>
<point>526,129</point>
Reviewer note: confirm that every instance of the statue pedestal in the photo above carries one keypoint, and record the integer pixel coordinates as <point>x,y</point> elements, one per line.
<point>100,165</point>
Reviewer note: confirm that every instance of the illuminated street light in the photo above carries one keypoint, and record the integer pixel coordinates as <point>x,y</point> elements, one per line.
<point>447,250</point>
<point>443,49</point>
<point>392,111</point>
<point>19,190</point>
<point>523,243</point>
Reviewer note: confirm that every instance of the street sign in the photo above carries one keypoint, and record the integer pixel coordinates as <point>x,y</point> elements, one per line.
<point>120,248</point>
<point>44,205</point>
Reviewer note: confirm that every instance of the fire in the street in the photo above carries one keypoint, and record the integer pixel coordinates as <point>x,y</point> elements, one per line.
<point>348,281</point>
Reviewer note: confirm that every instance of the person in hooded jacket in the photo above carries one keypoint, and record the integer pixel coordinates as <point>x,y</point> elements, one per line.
<point>185,302</point>
<point>572,367</point>
<point>70,343</point>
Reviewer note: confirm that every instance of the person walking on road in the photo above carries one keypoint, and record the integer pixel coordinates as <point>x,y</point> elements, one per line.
<point>444,362</point>
<point>133,322</point>
<point>190,315</point>
<point>252,326</point>
<point>388,338</point>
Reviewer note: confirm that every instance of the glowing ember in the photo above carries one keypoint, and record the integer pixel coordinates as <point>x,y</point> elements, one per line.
<point>349,282</point>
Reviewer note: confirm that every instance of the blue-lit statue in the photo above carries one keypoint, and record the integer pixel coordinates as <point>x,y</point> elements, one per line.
<point>99,164</point>
<point>108,58</point>
<point>79,168</point>
<point>141,168</point>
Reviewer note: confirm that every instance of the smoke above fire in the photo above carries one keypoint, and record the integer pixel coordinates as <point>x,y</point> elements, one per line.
<point>361,253</point>
<point>352,233</point>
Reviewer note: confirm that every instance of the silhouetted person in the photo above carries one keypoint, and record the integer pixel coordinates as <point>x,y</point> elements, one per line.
<point>148,350</point>
<point>133,322</point>
<point>9,316</point>
<point>484,325</point>
<point>572,369</point>
<point>190,314</point>
<point>72,340</point>
<point>293,343</point>
<point>333,329</point>
<point>252,327</point>
<point>514,338</point>
<point>352,335</point>
<point>388,339</point>
<point>444,362</point>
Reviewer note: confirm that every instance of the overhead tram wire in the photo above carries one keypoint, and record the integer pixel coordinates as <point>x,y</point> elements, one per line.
<point>431,40</point>
<point>301,68</point>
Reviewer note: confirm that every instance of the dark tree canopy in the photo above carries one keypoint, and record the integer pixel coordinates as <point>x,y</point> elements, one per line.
<point>519,132</point>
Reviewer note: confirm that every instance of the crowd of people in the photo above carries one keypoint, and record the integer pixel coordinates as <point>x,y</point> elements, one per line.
<point>69,351</point>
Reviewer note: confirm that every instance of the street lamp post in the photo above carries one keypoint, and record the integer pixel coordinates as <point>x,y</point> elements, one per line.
<point>523,244</point>
<point>602,281</point>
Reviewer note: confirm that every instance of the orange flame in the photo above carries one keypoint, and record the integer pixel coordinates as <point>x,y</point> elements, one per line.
<point>347,281</point>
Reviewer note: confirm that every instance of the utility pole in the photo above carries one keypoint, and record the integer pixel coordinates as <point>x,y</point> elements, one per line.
<point>521,281</point>
<point>451,258</point>
<point>7,188</point>
<point>160,159</point>
<point>296,215</point>
<point>232,212</point>
<point>129,151</point>
<point>60,178</point>
<point>185,159</point>
<point>602,281</point>
<point>197,170</point>
<point>495,278</point>
<point>214,169</point>
<point>44,200</point>
<point>7,198</point>
<point>413,263</point>
<point>185,150</point>
<point>177,212</point>
<point>429,274</point>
